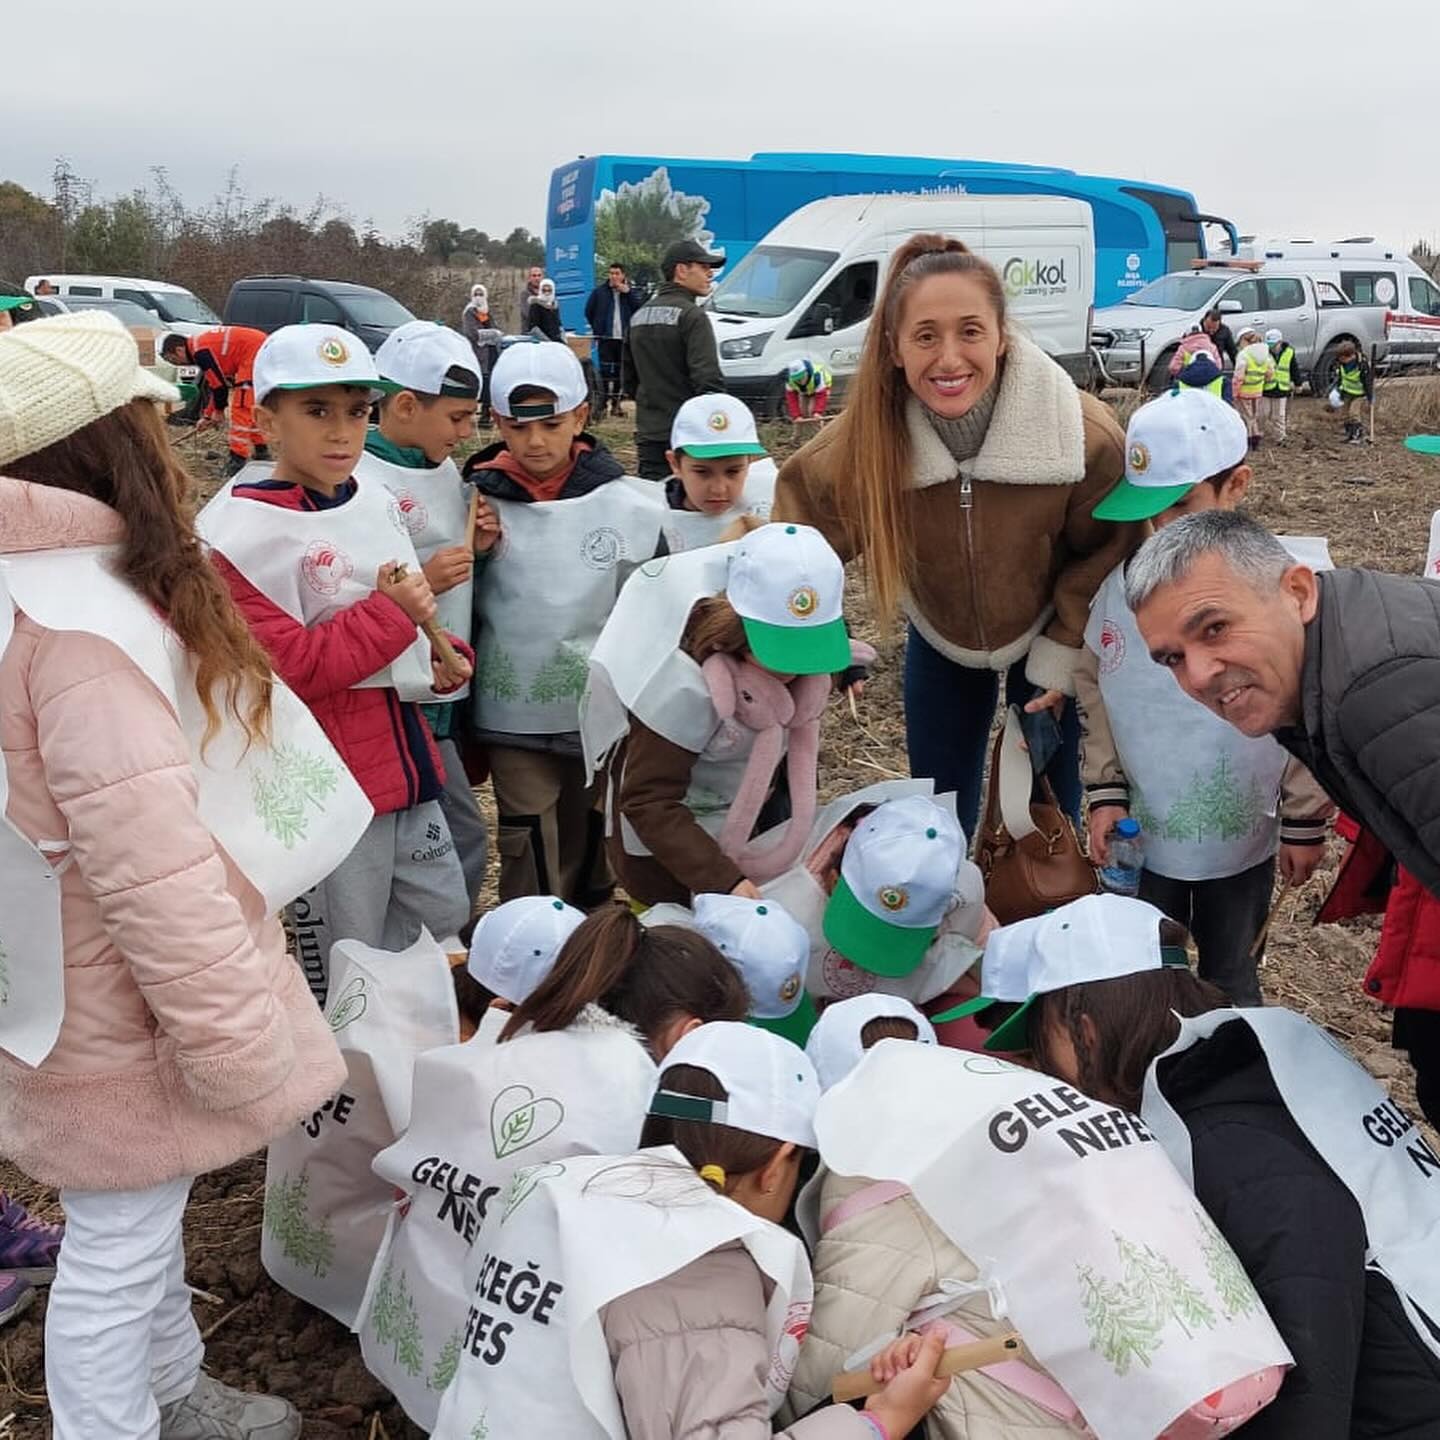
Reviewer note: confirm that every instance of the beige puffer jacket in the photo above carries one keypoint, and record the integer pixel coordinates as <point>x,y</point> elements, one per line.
<point>870,1271</point>
<point>690,1357</point>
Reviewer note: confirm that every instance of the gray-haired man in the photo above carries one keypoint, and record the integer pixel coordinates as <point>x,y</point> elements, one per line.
<point>1343,668</point>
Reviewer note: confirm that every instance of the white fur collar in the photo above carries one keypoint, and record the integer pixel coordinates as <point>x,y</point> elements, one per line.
<point>1036,435</point>
<point>593,1018</point>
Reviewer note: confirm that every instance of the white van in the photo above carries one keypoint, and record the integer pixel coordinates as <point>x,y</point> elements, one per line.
<point>807,289</point>
<point>176,308</point>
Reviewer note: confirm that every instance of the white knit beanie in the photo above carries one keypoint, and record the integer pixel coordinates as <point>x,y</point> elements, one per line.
<point>60,374</point>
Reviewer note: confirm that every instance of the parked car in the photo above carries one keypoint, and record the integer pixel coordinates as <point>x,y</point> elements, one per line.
<point>175,308</point>
<point>148,332</point>
<point>1318,296</point>
<point>266,302</point>
<point>807,289</point>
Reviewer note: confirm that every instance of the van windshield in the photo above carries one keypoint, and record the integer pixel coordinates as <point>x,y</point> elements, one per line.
<point>373,307</point>
<point>183,306</point>
<point>771,280</point>
<point>1180,292</point>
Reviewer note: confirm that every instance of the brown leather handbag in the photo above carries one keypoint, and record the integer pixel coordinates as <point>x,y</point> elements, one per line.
<point>1028,851</point>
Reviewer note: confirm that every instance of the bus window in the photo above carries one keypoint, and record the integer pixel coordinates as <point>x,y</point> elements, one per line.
<point>771,280</point>
<point>1184,241</point>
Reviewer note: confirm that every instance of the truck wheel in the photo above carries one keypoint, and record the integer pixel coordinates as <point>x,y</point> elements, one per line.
<point>1325,375</point>
<point>1159,377</point>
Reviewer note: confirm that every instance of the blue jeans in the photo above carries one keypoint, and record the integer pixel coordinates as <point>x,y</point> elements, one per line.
<point>949,713</point>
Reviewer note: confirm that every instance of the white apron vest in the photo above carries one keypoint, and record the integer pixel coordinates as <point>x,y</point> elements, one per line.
<point>690,530</point>
<point>545,595</point>
<point>533,1356</point>
<point>830,975</point>
<point>526,1102</point>
<point>325,1210</point>
<point>1087,1238</point>
<point>286,813</point>
<point>1206,796</point>
<point>313,563</point>
<point>1374,1149</point>
<point>1432,549</point>
<point>435,508</point>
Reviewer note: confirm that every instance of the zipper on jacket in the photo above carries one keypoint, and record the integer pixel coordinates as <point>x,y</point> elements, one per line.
<point>967,504</point>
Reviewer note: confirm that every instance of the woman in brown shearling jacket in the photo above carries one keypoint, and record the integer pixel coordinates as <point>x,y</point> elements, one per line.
<point>963,472</point>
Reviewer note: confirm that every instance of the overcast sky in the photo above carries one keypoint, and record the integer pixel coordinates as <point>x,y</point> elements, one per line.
<point>1291,118</point>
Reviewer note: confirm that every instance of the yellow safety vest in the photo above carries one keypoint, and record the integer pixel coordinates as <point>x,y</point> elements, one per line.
<point>1283,384</point>
<point>1350,381</point>
<point>1254,381</point>
<point>1215,387</point>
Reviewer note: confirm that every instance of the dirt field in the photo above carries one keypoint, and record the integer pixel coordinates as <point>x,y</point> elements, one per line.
<point>258,1336</point>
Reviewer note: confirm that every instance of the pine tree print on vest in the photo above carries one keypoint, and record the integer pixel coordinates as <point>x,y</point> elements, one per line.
<point>286,1215</point>
<point>298,779</point>
<point>561,677</point>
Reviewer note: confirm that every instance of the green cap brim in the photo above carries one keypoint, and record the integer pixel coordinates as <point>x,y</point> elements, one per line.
<point>963,1010</point>
<point>15,302</point>
<point>1423,444</point>
<point>1013,1033</point>
<point>1137,502</point>
<point>799,649</point>
<point>721,448</point>
<point>385,387</point>
<point>873,944</point>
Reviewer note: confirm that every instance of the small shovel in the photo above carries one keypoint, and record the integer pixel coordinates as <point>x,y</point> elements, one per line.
<point>857,1384</point>
<point>437,636</point>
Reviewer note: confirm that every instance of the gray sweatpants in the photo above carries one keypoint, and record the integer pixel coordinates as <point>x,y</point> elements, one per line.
<point>402,874</point>
<point>467,824</point>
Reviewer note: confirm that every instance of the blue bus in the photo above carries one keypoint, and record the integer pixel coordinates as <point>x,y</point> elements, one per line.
<point>630,207</point>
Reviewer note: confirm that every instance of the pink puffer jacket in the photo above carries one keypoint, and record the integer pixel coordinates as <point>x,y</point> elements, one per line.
<point>189,1037</point>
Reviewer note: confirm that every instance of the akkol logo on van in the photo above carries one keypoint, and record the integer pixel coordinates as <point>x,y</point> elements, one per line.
<point>1033,277</point>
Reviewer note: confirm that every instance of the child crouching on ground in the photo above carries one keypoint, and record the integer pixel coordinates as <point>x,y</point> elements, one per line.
<point>311,554</point>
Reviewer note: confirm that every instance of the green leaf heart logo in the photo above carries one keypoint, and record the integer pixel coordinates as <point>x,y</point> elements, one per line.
<point>349,1005</point>
<point>518,1119</point>
<point>524,1183</point>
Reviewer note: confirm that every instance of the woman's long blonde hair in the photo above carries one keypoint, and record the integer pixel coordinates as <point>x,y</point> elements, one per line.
<point>871,434</point>
<point>124,460</point>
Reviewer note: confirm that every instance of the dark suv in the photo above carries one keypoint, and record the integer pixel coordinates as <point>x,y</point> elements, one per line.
<point>266,302</point>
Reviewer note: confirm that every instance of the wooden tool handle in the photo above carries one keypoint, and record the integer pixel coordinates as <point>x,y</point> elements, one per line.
<point>471,518</point>
<point>857,1384</point>
<point>437,637</point>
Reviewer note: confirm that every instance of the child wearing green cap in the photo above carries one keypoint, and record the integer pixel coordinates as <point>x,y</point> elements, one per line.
<point>1205,795</point>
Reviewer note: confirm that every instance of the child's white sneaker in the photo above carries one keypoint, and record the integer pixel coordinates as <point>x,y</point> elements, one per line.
<point>212,1411</point>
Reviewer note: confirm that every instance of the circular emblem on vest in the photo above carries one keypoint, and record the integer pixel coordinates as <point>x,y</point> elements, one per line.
<point>325,568</point>
<point>1112,648</point>
<point>845,980</point>
<point>333,351</point>
<point>1139,458</point>
<point>413,514</point>
<point>802,602</point>
<point>602,548</point>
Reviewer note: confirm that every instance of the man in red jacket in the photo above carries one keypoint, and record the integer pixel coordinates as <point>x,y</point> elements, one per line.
<point>226,359</point>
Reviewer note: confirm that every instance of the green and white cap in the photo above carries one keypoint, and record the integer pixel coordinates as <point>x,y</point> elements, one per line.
<point>514,946</point>
<point>1098,937</point>
<point>788,587</point>
<point>709,426</point>
<point>429,359</point>
<point>836,1045</point>
<point>765,943</point>
<point>305,357</point>
<point>1171,445</point>
<point>897,880</point>
<point>770,1084</point>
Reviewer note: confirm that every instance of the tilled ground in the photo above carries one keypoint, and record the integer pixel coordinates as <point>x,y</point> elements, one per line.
<point>1374,503</point>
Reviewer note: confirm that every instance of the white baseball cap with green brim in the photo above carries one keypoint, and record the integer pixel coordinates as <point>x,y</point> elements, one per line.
<point>712,426</point>
<point>1098,937</point>
<point>1171,445</point>
<point>788,587</point>
<point>770,1085</point>
<point>897,880</point>
<point>308,357</point>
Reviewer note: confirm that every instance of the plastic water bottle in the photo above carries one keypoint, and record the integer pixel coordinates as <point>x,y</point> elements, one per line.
<point>1127,857</point>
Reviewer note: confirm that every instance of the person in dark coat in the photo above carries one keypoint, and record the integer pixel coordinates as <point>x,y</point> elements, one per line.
<point>607,312</point>
<point>1343,668</point>
<point>1220,337</point>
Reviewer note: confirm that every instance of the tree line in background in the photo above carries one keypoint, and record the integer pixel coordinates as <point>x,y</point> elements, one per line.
<point>155,234</point>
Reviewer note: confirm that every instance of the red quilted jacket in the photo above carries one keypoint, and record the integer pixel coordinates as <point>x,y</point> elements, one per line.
<point>385,741</point>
